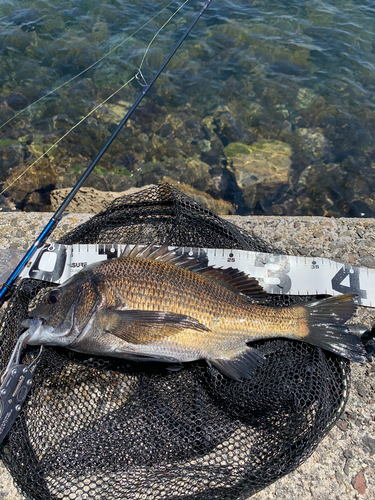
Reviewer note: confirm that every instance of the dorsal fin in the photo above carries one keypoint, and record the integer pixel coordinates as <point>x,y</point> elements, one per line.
<point>237,281</point>
<point>162,254</point>
<point>233,279</point>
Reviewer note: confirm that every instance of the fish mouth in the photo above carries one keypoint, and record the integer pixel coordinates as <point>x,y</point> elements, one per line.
<point>26,323</point>
<point>35,331</point>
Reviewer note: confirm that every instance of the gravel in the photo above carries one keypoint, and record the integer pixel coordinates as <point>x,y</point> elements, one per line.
<point>343,465</point>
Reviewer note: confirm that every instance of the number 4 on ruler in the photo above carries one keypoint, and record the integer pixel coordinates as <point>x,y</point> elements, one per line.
<point>354,285</point>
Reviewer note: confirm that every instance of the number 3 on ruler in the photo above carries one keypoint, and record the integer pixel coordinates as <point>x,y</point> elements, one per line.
<point>277,267</point>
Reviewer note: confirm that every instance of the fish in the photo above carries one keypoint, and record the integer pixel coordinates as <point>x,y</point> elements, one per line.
<point>152,304</point>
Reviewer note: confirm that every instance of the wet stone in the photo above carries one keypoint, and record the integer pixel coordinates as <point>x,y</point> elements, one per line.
<point>263,161</point>
<point>10,156</point>
<point>6,204</point>
<point>260,169</point>
<point>6,112</point>
<point>229,128</point>
<point>30,189</point>
<point>305,98</point>
<point>315,145</point>
<point>17,101</point>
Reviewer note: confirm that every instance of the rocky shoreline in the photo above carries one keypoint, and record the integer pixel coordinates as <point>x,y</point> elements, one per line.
<point>343,465</point>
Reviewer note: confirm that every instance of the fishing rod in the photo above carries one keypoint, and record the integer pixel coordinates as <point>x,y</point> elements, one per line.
<point>58,214</point>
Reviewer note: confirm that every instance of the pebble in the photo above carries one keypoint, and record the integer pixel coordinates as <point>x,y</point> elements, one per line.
<point>339,463</point>
<point>361,389</point>
<point>347,466</point>
<point>367,261</point>
<point>339,477</point>
<point>369,444</point>
<point>342,425</point>
<point>317,253</point>
<point>359,483</point>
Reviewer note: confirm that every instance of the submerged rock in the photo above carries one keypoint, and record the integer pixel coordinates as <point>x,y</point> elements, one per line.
<point>6,112</point>
<point>229,128</point>
<point>220,207</point>
<point>11,154</point>
<point>88,200</point>
<point>261,169</point>
<point>315,145</point>
<point>190,171</point>
<point>305,98</point>
<point>6,204</point>
<point>31,190</point>
<point>91,201</point>
<point>17,101</point>
<point>334,190</point>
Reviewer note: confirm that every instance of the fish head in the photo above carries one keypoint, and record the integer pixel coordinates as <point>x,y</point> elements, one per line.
<point>64,312</point>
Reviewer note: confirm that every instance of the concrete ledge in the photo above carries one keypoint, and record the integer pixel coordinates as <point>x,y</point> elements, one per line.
<point>343,466</point>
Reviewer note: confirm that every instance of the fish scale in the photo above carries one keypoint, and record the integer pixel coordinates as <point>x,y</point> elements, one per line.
<point>170,309</point>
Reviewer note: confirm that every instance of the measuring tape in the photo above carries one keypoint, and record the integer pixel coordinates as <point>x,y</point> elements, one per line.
<point>277,274</point>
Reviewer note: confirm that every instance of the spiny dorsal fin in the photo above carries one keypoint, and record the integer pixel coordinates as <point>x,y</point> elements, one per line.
<point>237,281</point>
<point>233,279</point>
<point>162,254</point>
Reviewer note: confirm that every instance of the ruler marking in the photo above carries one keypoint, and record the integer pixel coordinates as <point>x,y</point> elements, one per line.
<point>272,270</point>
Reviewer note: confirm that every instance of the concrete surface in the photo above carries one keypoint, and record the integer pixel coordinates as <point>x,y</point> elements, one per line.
<point>343,466</point>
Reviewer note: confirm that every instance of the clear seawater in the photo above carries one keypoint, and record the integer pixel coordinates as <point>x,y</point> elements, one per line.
<point>290,83</point>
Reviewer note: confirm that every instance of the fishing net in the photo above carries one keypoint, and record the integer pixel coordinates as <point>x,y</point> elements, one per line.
<point>111,429</point>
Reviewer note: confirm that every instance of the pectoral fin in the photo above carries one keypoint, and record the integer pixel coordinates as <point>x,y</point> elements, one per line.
<point>143,327</point>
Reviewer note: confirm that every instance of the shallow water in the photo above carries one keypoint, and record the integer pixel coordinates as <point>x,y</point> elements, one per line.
<point>268,105</point>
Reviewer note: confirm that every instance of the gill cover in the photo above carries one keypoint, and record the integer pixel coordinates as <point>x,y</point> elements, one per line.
<point>64,312</point>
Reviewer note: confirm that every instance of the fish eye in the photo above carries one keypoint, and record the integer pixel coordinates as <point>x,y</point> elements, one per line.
<point>54,296</point>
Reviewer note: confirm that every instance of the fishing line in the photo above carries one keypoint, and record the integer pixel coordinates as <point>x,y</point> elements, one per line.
<point>160,29</point>
<point>138,76</point>
<point>92,65</point>
<point>47,231</point>
<point>66,134</point>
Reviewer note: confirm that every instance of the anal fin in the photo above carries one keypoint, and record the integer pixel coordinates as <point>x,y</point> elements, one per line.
<point>241,366</point>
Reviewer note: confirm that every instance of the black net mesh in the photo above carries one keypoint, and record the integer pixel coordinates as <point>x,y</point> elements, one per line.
<point>111,429</point>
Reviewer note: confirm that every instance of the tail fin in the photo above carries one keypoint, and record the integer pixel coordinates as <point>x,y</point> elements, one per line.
<point>326,327</point>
